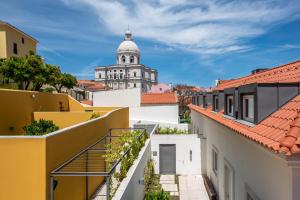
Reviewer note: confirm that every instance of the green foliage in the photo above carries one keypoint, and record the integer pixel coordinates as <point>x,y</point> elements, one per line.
<point>40,127</point>
<point>95,115</point>
<point>31,71</point>
<point>64,80</point>
<point>148,175</point>
<point>170,131</point>
<point>48,90</point>
<point>131,141</point>
<point>157,195</point>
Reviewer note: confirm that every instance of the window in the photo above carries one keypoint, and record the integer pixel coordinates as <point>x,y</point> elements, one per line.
<point>131,59</point>
<point>134,74</point>
<point>143,75</point>
<point>121,76</point>
<point>15,48</point>
<point>23,41</point>
<point>248,107</point>
<point>123,59</point>
<point>215,161</point>
<point>99,75</point>
<point>115,70</point>
<point>160,89</point>
<point>216,103</point>
<point>115,76</point>
<point>134,85</point>
<point>229,105</point>
<point>191,155</point>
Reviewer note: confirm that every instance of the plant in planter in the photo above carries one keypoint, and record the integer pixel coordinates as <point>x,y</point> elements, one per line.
<point>40,127</point>
<point>154,195</point>
<point>127,141</point>
<point>95,115</point>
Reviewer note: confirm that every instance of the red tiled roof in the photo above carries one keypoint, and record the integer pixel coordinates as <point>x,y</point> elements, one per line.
<point>287,73</point>
<point>280,131</point>
<point>159,98</point>
<point>86,82</point>
<point>96,86</point>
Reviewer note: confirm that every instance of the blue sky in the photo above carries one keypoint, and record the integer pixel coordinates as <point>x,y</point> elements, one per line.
<point>187,41</point>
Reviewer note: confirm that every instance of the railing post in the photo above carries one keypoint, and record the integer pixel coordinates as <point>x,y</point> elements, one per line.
<point>107,187</point>
<point>51,188</point>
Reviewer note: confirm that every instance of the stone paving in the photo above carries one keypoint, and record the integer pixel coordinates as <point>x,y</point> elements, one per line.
<point>191,187</point>
<point>168,184</point>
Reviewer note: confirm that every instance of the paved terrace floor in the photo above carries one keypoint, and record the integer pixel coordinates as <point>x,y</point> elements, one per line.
<point>191,187</point>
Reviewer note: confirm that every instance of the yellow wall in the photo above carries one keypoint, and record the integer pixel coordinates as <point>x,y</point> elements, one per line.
<point>17,107</point>
<point>2,43</point>
<point>65,119</point>
<point>26,162</point>
<point>14,36</point>
<point>22,168</point>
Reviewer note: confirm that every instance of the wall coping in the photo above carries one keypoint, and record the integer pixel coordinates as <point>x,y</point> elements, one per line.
<point>60,131</point>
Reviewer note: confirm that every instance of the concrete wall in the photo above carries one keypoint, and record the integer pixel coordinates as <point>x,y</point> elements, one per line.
<point>130,188</point>
<point>167,113</point>
<point>254,167</point>
<point>184,144</point>
<point>156,113</point>
<point>26,161</point>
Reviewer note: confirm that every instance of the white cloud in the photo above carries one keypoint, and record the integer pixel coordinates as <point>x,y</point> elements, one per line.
<point>202,26</point>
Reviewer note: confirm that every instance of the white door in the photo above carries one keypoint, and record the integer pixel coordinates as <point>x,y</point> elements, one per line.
<point>228,182</point>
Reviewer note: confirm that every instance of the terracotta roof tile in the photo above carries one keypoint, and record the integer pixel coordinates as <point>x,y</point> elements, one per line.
<point>159,98</point>
<point>279,132</point>
<point>288,73</point>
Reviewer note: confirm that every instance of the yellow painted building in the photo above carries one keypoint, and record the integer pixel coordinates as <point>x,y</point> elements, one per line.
<point>27,161</point>
<point>14,42</point>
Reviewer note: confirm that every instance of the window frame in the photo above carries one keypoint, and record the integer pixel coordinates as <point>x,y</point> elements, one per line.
<point>228,107</point>
<point>15,48</point>
<point>215,160</point>
<point>248,113</point>
<point>216,103</point>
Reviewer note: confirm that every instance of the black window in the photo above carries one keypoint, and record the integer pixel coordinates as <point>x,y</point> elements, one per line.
<point>23,41</point>
<point>123,59</point>
<point>134,74</point>
<point>131,59</point>
<point>134,85</point>
<point>99,75</point>
<point>15,48</point>
<point>115,76</point>
<point>216,103</point>
<point>121,76</point>
<point>246,107</point>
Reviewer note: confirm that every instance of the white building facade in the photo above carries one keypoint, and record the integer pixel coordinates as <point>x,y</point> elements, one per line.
<point>128,72</point>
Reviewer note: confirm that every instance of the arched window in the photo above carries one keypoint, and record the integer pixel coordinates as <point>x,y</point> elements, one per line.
<point>123,59</point>
<point>131,59</point>
<point>134,74</point>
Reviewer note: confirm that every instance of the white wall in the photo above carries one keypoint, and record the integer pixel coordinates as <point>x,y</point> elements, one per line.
<point>127,97</point>
<point>266,173</point>
<point>156,113</point>
<point>130,188</point>
<point>184,143</point>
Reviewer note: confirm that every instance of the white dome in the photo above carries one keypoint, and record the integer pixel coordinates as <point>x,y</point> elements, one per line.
<point>128,46</point>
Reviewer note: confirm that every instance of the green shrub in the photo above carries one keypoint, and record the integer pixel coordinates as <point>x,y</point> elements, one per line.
<point>168,131</point>
<point>48,90</point>
<point>95,115</point>
<point>40,127</point>
<point>160,195</point>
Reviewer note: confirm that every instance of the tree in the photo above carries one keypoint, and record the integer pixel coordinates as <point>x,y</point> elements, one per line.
<point>64,80</point>
<point>31,72</point>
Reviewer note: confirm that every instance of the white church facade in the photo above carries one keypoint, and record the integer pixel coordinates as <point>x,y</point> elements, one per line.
<point>128,72</point>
